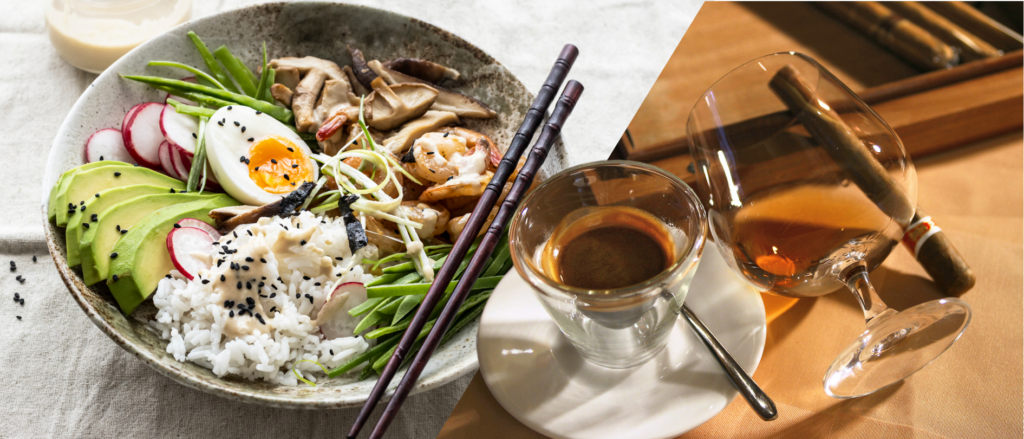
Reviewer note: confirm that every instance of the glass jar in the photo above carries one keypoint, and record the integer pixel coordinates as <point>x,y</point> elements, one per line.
<point>92,34</point>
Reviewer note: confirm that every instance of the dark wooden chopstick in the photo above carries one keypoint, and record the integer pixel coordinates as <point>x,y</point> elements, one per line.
<point>479,260</point>
<point>483,208</point>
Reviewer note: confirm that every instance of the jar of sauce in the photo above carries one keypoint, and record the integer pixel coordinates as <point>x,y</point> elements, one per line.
<point>92,34</point>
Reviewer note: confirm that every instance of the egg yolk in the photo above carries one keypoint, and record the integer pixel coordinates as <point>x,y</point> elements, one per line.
<point>277,166</point>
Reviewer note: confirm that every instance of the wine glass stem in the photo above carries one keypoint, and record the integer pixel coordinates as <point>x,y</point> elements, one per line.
<point>859,284</point>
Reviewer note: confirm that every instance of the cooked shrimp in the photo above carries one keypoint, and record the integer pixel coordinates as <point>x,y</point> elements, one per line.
<point>436,156</point>
<point>462,186</point>
<point>432,217</point>
<point>458,224</point>
<point>386,240</point>
<point>476,140</point>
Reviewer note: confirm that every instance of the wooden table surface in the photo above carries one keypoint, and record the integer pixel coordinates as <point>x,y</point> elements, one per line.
<point>975,193</point>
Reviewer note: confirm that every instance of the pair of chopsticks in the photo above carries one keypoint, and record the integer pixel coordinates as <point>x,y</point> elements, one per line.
<point>490,239</point>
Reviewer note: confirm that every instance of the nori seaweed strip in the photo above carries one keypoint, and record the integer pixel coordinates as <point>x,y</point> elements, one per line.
<point>345,204</point>
<point>356,233</point>
<point>295,198</point>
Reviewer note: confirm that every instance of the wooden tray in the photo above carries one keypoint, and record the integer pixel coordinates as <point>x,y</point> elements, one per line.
<point>931,112</point>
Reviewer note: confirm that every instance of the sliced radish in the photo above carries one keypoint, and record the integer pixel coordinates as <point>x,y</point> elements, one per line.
<point>201,225</point>
<point>179,164</point>
<point>182,243</point>
<point>166,161</point>
<point>333,317</point>
<point>179,129</point>
<point>131,113</point>
<point>191,79</point>
<point>106,144</point>
<point>142,135</point>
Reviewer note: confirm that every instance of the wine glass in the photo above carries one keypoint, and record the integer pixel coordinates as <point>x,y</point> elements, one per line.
<point>808,190</point>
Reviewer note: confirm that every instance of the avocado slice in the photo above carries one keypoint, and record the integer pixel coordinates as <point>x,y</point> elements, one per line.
<point>99,239</point>
<point>86,184</point>
<point>61,185</point>
<point>142,256</point>
<point>100,202</point>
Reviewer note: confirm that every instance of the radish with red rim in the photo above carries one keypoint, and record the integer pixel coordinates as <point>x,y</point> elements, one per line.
<point>200,224</point>
<point>179,163</point>
<point>166,161</point>
<point>182,243</point>
<point>142,135</point>
<point>333,317</point>
<point>107,144</point>
<point>179,129</point>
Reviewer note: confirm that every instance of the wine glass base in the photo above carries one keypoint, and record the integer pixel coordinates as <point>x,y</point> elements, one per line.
<point>895,345</point>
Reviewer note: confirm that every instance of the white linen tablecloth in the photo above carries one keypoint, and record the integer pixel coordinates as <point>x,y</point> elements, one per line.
<point>61,377</point>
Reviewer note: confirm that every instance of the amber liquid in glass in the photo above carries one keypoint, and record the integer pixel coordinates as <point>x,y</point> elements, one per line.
<point>786,240</point>
<point>609,247</point>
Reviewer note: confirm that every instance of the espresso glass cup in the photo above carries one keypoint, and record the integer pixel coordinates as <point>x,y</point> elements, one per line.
<point>622,327</point>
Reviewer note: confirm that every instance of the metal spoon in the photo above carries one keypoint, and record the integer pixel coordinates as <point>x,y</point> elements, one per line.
<point>756,397</point>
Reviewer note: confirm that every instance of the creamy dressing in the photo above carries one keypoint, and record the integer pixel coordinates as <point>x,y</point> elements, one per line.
<point>92,35</point>
<point>273,244</point>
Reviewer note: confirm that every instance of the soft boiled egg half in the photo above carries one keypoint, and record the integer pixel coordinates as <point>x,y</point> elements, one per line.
<point>256,158</point>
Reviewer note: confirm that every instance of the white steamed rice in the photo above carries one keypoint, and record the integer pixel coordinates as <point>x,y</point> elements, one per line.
<point>191,315</point>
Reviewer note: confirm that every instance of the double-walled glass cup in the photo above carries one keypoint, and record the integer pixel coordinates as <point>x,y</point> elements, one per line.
<point>622,327</point>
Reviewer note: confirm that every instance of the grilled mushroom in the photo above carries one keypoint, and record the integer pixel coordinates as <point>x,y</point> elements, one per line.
<point>430,121</point>
<point>251,214</point>
<point>423,69</point>
<point>364,75</point>
<point>314,72</point>
<point>391,106</point>
<point>447,100</point>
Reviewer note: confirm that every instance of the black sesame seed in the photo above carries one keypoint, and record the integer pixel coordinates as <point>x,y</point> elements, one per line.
<point>194,136</point>
<point>273,309</point>
<point>101,158</point>
<point>338,258</point>
<point>274,161</point>
<point>249,259</point>
<point>273,295</point>
<point>295,165</point>
<point>114,277</point>
<point>94,217</point>
<point>286,177</point>
<point>256,168</point>
<point>445,135</point>
<point>221,123</point>
<point>229,108</point>
<point>263,261</point>
<point>172,190</point>
<point>241,159</point>
<point>251,139</point>
<point>16,296</point>
<point>258,112</point>
<point>293,183</point>
<point>97,195</point>
<point>239,306</point>
<point>250,301</point>
<point>449,178</point>
<point>85,225</point>
<point>117,174</point>
<point>245,267</point>
<point>332,351</point>
<point>231,313</point>
<point>317,284</point>
<point>290,149</point>
<point>19,317</point>
<point>223,278</point>
<point>260,285</point>
<point>33,258</point>
<point>22,301</point>
<point>118,227</point>
<point>113,255</point>
<point>177,226</point>
<point>239,286</point>
<point>123,231</point>
<point>248,286</point>
<point>220,261</point>
<point>248,231</point>
<point>206,281</point>
<point>260,318</point>
<point>167,276</point>
<point>264,278</point>
<point>302,242</point>
<point>243,129</point>
<point>310,298</point>
<point>273,286</point>
<point>247,161</point>
<point>306,277</point>
<point>298,296</point>
<point>237,124</point>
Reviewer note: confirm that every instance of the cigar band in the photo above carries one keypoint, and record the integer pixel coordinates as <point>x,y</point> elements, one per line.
<point>918,233</point>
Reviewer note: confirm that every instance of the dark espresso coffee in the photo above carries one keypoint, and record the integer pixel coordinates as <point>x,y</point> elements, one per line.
<point>606,248</point>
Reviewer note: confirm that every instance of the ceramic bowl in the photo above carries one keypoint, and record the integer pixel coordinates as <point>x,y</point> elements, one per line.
<point>289,29</point>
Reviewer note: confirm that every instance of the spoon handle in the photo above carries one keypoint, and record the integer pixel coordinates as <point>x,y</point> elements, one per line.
<point>762,404</point>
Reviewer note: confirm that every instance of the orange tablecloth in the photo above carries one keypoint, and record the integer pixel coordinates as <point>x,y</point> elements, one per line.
<point>976,194</point>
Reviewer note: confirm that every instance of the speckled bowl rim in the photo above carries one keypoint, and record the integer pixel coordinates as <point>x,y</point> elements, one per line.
<point>75,286</point>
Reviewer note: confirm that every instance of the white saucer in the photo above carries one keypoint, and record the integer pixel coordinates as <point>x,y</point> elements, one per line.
<point>537,375</point>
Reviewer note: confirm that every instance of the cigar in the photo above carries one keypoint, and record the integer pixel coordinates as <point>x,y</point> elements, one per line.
<point>932,249</point>
<point>979,24</point>
<point>970,46</point>
<point>894,32</point>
